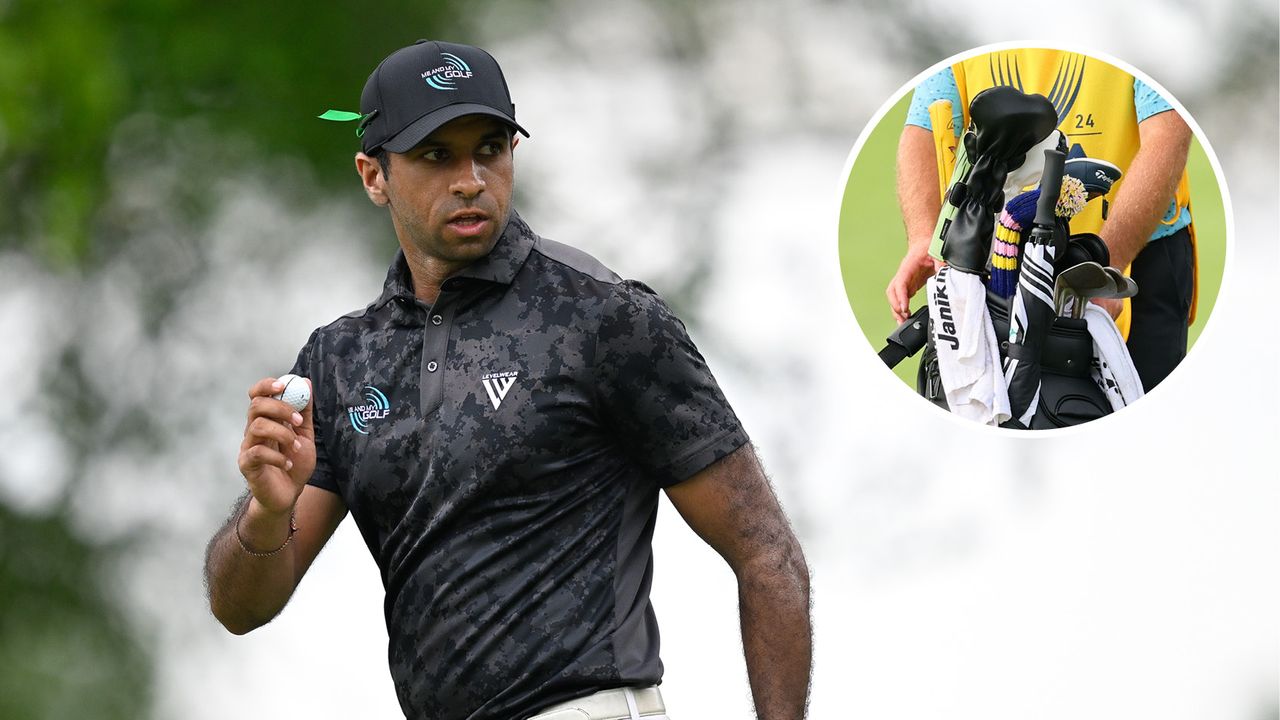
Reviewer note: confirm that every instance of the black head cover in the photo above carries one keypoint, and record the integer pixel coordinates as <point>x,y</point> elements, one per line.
<point>1083,247</point>
<point>1007,122</point>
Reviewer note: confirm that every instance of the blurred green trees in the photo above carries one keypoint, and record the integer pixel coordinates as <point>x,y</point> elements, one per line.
<point>70,72</point>
<point>65,650</point>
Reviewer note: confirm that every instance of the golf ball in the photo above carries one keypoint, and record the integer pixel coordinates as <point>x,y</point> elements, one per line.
<point>296,392</point>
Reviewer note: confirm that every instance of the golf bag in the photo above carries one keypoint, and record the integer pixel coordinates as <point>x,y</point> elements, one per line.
<point>1046,359</point>
<point>1068,396</point>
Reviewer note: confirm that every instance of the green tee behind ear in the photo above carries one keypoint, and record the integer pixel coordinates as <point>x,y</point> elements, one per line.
<point>348,116</point>
<point>339,115</point>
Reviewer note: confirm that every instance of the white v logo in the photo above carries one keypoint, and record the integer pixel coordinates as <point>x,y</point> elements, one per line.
<point>497,388</point>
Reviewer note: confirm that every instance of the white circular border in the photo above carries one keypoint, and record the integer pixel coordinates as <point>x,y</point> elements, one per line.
<point>1105,422</point>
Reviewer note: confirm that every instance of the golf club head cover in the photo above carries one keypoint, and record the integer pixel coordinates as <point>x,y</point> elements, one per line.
<point>1006,123</point>
<point>1023,208</point>
<point>1032,166</point>
<point>1004,256</point>
<point>1083,247</point>
<point>1097,175</point>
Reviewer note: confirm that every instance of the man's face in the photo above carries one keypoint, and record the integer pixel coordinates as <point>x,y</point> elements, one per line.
<point>450,196</point>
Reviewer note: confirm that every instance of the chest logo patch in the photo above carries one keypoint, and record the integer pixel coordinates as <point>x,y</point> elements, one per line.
<point>497,385</point>
<point>376,407</point>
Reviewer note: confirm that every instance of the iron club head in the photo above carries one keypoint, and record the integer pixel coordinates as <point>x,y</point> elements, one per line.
<point>1125,286</point>
<point>1082,282</point>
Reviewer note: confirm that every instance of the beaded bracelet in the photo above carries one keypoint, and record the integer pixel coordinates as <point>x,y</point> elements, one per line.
<point>293,528</point>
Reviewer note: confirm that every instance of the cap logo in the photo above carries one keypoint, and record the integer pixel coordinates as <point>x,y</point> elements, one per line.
<point>445,76</point>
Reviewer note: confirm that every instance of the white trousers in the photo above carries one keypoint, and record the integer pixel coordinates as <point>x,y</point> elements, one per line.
<point>618,704</point>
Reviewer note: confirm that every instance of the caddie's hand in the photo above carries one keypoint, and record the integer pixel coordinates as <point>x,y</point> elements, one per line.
<point>916,267</point>
<point>1112,305</point>
<point>278,454</point>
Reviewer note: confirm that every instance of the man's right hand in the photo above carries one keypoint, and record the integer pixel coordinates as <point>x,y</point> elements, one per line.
<point>278,454</point>
<point>916,267</point>
<point>255,561</point>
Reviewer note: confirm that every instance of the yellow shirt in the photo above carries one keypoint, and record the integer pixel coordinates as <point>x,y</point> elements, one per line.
<point>1095,105</point>
<point>1094,101</point>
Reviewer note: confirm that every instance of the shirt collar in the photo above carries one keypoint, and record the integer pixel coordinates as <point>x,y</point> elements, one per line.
<point>507,256</point>
<point>499,266</point>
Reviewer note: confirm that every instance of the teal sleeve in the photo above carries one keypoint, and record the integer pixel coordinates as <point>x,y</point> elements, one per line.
<point>1147,101</point>
<point>939,86</point>
<point>1183,216</point>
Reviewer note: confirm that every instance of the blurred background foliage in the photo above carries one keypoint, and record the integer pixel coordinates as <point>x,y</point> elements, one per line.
<point>66,651</point>
<point>70,72</point>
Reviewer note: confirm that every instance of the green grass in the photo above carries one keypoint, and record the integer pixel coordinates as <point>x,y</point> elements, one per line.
<point>872,237</point>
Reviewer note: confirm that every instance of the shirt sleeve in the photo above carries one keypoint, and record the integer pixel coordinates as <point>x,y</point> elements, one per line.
<point>939,86</point>
<point>1147,101</point>
<point>307,365</point>
<point>655,390</point>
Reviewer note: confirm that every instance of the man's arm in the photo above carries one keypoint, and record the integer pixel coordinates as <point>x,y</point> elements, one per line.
<point>246,590</point>
<point>731,505</point>
<point>920,205</point>
<point>1148,186</point>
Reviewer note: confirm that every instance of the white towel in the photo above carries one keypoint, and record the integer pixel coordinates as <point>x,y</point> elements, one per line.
<point>1112,368</point>
<point>968,354</point>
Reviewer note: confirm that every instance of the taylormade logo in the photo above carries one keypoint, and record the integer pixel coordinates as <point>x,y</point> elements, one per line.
<point>497,385</point>
<point>446,76</point>
<point>947,331</point>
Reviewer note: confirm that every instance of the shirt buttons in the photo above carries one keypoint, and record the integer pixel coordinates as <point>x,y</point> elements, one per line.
<point>431,366</point>
<point>436,319</point>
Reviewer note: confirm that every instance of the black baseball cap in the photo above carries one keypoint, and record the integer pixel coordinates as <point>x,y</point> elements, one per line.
<point>418,88</point>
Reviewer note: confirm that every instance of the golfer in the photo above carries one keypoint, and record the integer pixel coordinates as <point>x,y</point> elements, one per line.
<point>1113,116</point>
<point>499,422</point>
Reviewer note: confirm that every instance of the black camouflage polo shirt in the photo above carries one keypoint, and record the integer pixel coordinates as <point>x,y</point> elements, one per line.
<point>502,452</point>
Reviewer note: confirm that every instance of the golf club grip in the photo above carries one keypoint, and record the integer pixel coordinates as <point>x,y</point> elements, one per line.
<point>1050,187</point>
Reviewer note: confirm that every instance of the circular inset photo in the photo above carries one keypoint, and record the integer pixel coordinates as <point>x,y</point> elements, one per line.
<point>1032,238</point>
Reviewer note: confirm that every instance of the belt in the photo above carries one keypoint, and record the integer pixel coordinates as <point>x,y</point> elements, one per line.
<point>617,704</point>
